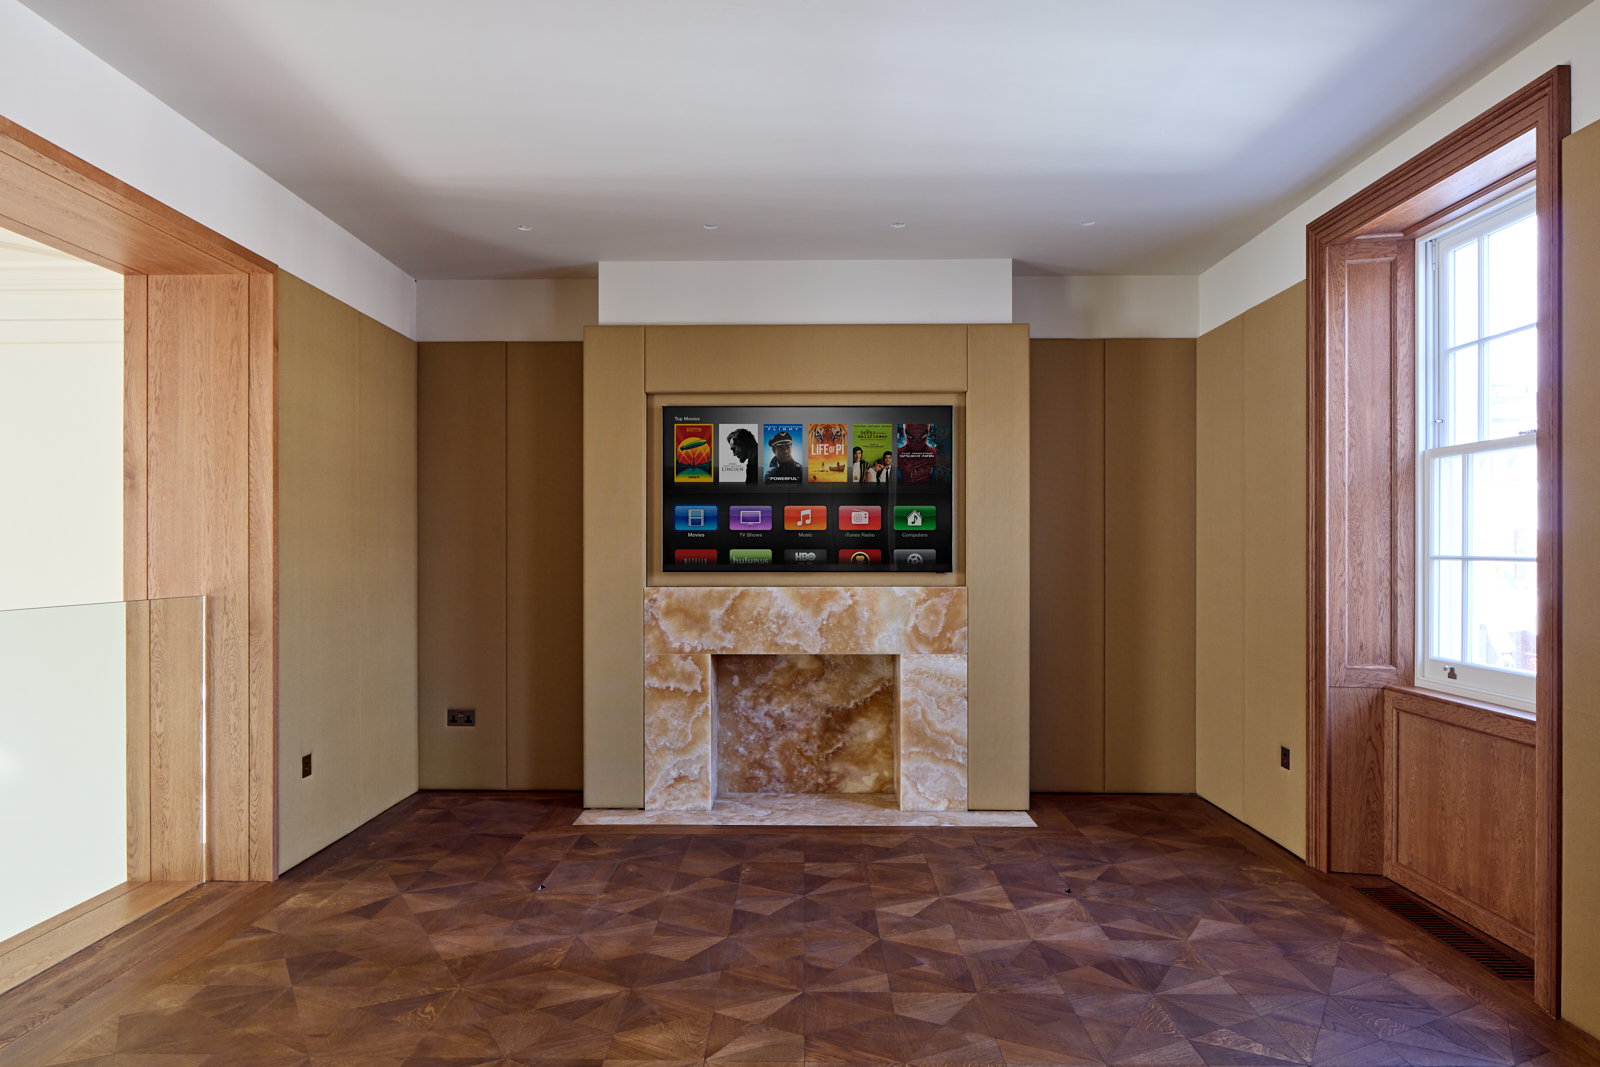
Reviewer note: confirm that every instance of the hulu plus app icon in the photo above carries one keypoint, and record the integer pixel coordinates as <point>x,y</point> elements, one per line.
<point>916,517</point>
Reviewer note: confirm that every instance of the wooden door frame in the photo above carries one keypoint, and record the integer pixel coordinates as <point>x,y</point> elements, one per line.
<point>1511,143</point>
<point>218,318</point>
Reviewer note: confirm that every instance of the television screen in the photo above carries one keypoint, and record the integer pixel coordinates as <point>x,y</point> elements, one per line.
<point>808,488</point>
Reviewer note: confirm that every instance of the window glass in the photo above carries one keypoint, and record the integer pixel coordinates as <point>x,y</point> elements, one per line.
<point>1479,493</point>
<point>1510,283</point>
<point>1463,263</point>
<point>1503,609</point>
<point>1447,609</point>
<point>1511,379</point>
<point>1504,491</point>
<point>1461,377</point>
<point>1447,514</point>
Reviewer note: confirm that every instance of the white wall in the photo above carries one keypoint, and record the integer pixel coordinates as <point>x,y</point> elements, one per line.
<point>1276,258</point>
<point>63,759</point>
<point>58,89</point>
<point>60,428</point>
<point>520,310</point>
<point>1107,306</point>
<point>559,309</point>
<point>806,291</point>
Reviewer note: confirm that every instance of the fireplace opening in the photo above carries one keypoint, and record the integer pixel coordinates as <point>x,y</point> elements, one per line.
<point>805,724</point>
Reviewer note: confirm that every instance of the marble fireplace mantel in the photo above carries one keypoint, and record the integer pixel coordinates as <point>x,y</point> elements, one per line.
<point>926,627</point>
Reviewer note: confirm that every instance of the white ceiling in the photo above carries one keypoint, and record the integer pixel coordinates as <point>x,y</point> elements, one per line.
<point>616,129</point>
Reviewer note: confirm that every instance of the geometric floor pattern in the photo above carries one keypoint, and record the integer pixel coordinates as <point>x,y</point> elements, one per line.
<point>472,931</point>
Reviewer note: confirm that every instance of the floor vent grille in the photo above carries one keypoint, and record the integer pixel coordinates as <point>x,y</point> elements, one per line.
<point>1499,960</point>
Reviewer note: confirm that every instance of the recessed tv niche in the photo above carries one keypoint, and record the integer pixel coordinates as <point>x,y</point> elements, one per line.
<point>808,488</point>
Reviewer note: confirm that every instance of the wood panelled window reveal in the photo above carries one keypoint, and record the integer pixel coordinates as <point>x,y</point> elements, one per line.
<point>1434,342</point>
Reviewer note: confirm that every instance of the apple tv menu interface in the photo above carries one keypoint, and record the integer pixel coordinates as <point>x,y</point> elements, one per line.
<point>808,488</point>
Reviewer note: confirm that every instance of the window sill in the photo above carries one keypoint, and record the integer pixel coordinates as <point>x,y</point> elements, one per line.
<point>1463,702</point>
<point>1512,724</point>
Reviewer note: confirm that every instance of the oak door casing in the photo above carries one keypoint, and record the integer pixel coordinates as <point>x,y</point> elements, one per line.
<point>197,466</point>
<point>199,497</point>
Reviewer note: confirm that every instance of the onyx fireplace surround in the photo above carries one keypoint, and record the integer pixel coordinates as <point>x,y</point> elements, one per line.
<point>900,653</point>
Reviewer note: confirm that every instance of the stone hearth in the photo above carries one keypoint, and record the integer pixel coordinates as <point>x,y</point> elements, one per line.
<point>804,724</point>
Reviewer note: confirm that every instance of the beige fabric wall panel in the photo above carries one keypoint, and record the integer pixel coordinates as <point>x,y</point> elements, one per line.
<point>1150,565</point>
<point>614,426</point>
<point>806,359</point>
<point>1250,552</point>
<point>544,567</point>
<point>461,563</point>
<point>1067,573</point>
<point>388,555</point>
<point>319,607</point>
<point>1275,670</point>
<point>347,535</point>
<point>997,465</point>
<point>1220,567</point>
<point>1580,502</point>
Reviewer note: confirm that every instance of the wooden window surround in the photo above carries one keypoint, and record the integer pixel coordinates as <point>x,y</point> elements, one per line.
<point>200,482</point>
<point>1362,327</point>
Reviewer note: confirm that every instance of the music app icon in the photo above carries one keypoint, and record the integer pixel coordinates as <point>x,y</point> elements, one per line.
<point>805,517</point>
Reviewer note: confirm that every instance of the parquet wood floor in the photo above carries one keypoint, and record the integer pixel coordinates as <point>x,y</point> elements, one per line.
<point>478,929</point>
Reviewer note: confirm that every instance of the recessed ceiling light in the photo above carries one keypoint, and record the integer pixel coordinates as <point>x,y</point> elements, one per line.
<point>524,228</point>
<point>1086,224</point>
<point>711,226</point>
<point>897,225</point>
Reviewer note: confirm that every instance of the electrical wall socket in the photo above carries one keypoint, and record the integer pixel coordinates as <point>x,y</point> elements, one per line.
<point>1283,757</point>
<point>305,765</point>
<point>461,717</point>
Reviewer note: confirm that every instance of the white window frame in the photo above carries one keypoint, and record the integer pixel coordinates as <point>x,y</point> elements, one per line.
<point>1514,689</point>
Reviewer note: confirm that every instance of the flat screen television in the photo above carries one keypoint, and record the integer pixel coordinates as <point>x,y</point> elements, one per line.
<point>808,488</point>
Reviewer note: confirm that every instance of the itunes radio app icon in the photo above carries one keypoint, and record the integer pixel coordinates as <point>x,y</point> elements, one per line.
<point>860,517</point>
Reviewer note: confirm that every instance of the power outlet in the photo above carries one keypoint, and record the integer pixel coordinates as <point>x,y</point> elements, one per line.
<point>461,717</point>
<point>1283,757</point>
<point>305,765</point>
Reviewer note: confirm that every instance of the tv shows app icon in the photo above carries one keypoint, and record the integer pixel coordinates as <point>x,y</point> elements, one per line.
<point>692,517</point>
<point>698,557</point>
<point>805,517</point>
<point>860,555</point>
<point>916,517</point>
<point>753,517</point>
<point>860,517</point>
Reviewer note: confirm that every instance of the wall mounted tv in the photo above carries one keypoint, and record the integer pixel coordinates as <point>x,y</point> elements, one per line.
<point>812,488</point>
